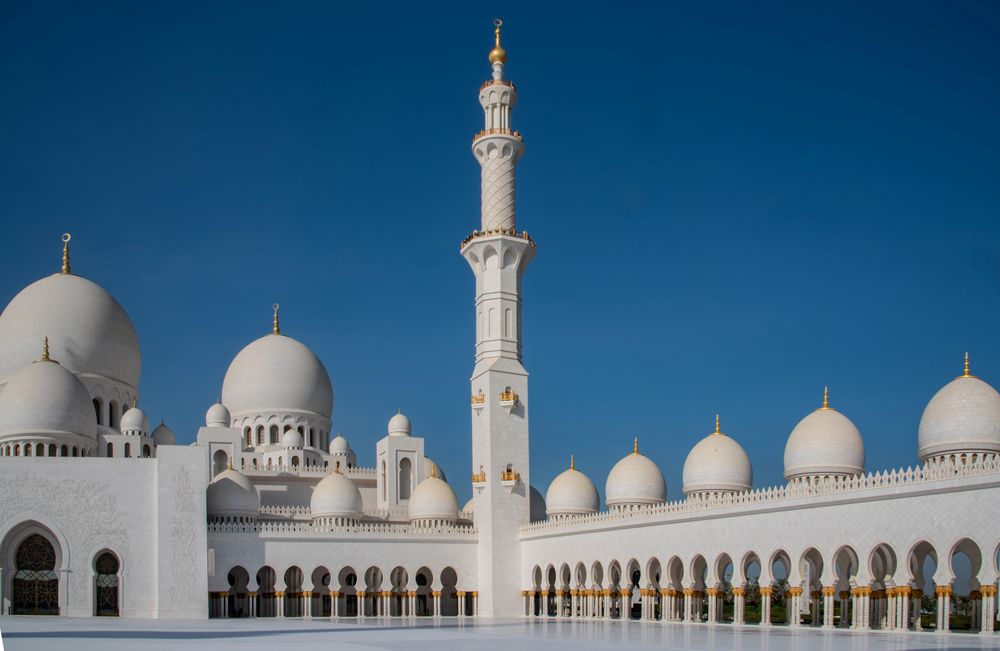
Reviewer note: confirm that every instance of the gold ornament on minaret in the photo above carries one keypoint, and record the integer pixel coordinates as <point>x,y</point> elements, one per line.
<point>275,327</point>
<point>966,372</point>
<point>498,54</point>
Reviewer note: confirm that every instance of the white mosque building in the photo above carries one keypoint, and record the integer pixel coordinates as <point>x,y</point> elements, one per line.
<point>268,515</point>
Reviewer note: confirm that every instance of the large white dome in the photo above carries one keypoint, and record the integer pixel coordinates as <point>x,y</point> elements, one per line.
<point>232,494</point>
<point>45,399</point>
<point>571,493</point>
<point>277,374</point>
<point>964,416</point>
<point>635,480</point>
<point>825,442</point>
<point>90,333</point>
<point>335,496</point>
<point>717,463</point>
<point>433,499</point>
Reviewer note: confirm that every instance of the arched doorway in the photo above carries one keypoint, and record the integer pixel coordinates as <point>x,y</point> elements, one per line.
<point>35,584</point>
<point>106,585</point>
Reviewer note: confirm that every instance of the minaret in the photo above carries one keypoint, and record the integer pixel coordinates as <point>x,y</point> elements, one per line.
<point>498,255</point>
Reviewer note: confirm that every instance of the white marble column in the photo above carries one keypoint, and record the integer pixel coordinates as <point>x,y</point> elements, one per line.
<point>765,606</point>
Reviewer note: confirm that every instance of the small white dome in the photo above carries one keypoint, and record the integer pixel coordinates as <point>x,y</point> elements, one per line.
<point>635,480</point>
<point>470,506</point>
<point>399,425</point>
<point>45,398</point>
<point>335,496</point>
<point>964,416</point>
<point>433,499</point>
<point>134,421</point>
<point>717,463</point>
<point>217,416</point>
<point>339,445</point>
<point>572,493</point>
<point>825,442</point>
<point>232,494</point>
<point>431,469</point>
<point>163,435</point>
<point>292,439</point>
<point>536,505</point>
<point>90,332</point>
<point>277,374</point>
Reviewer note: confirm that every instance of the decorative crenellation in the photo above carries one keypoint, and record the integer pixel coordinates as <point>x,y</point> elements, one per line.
<point>939,469</point>
<point>347,528</point>
<point>509,232</point>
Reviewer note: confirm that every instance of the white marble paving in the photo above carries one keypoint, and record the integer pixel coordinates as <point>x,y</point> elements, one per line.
<point>28,633</point>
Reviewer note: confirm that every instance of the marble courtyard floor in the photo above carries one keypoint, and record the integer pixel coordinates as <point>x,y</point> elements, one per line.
<point>28,633</point>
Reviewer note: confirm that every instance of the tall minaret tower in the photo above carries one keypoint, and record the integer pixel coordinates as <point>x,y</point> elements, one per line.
<point>498,255</point>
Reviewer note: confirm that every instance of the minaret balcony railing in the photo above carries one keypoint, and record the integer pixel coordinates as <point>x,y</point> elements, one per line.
<point>510,232</point>
<point>501,82</point>
<point>508,396</point>
<point>479,477</point>
<point>499,131</point>
<point>510,475</point>
<point>479,399</point>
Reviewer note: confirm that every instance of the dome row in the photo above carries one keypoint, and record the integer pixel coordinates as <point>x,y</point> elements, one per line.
<point>962,418</point>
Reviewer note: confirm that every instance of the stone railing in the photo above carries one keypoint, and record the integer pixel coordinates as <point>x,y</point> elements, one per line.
<point>502,82</point>
<point>284,511</point>
<point>499,131</point>
<point>509,232</point>
<point>357,529</point>
<point>313,471</point>
<point>932,471</point>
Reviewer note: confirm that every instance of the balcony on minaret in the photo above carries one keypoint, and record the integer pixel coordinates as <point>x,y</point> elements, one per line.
<point>509,477</point>
<point>478,401</point>
<point>498,131</point>
<point>479,479</point>
<point>508,399</point>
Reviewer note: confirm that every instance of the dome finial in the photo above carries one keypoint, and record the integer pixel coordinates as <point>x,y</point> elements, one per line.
<point>635,446</point>
<point>826,398</point>
<point>572,465</point>
<point>45,351</point>
<point>717,430</point>
<point>229,462</point>
<point>66,237</point>
<point>498,54</point>
<point>434,471</point>
<point>965,370</point>
<point>277,330</point>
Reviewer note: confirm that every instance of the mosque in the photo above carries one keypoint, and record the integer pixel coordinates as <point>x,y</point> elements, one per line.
<point>268,515</point>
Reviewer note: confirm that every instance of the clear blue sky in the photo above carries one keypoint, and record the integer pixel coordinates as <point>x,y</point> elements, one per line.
<point>734,205</point>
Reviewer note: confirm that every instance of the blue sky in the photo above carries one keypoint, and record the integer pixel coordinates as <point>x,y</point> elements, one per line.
<point>734,205</point>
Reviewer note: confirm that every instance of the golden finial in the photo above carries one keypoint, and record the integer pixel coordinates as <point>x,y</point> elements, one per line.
<point>65,240</point>
<point>45,351</point>
<point>135,402</point>
<point>498,54</point>
<point>572,466</point>
<point>229,463</point>
<point>635,445</point>
<point>434,471</point>
<point>966,371</point>
<point>826,398</point>
<point>717,430</point>
<point>277,330</point>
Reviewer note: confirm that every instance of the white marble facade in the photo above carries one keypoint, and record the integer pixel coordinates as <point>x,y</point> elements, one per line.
<point>269,514</point>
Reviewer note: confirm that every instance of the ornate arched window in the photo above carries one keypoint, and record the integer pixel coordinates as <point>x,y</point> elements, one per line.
<point>36,585</point>
<point>106,585</point>
<point>405,472</point>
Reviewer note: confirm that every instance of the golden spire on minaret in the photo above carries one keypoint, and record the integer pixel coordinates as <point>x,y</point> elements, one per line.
<point>826,398</point>
<point>965,369</point>
<point>635,446</point>
<point>572,466</point>
<point>498,54</point>
<point>717,429</point>
<point>276,329</point>
<point>65,263</point>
